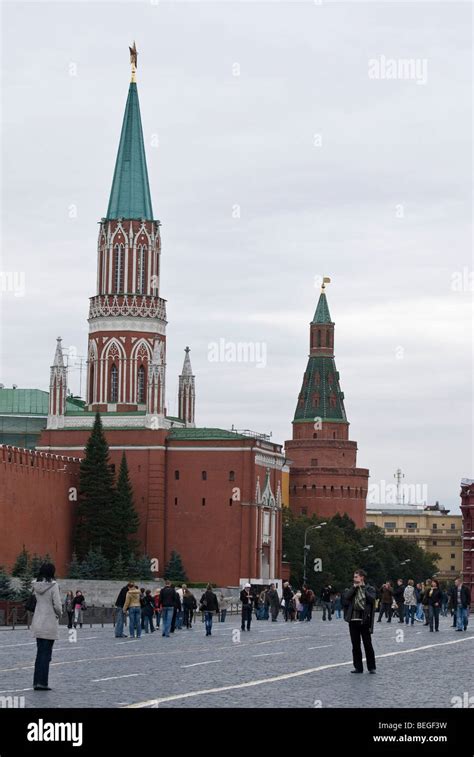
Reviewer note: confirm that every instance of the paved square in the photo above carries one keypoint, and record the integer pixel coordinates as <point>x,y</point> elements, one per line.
<point>274,665</point>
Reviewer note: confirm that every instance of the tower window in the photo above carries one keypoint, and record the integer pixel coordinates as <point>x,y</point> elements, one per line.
<point>176,500</point>
<point>91,382</point>
<point>327,338</point>
<point>204,475</point>
<point>304,487</point>
<point>118,268</point>
<point>114,384</point>
<point>203,502</point>
<point>315,436</point>
<point>333,434</point>
<point>176,475</point>
<point>231,475</point>
<point>230,502</point>
<point>141,269</point>
<point>141,385</point>
<point>319,337</point>
<point>314,461</point>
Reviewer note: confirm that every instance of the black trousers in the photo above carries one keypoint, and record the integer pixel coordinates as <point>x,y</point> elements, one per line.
<point>360,631</point>
<point>44,652</point>
<point>246,616</point>
<point>188,616</point>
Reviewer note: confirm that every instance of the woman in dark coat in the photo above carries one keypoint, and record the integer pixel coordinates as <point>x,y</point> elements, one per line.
<point>359,612</point>
<point>435,597</point>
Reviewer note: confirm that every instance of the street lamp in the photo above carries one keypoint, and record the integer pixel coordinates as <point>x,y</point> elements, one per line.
<point>307,547</point>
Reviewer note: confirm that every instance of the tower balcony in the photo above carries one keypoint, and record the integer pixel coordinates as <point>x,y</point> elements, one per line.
<point>135,305</point>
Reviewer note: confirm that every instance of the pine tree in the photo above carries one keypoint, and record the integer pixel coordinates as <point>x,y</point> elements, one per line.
<point>133,567</point>
<point>6,589</point>
<point>125,517</point>
<point>118,570</point>
<point>21,563</point>
<point>74,570</point>
<point>96,497</point>
<point>35,564</point>
<point>144,568</point>
<point>95,565</point>
<point>174,570</point>
<point>25,590</point>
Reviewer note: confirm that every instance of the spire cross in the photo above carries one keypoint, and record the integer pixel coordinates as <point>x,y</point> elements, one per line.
<point>326,280</point>
<point>133,61</point>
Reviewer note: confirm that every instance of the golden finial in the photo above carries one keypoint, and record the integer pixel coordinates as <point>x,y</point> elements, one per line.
<point>133,60</point>
<point>326,280</point>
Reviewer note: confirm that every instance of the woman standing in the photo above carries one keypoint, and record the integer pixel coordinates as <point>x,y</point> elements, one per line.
<point>45,625</point>
<point>410,602</point>
<point>434,604</point>
<point>69,607</point>
<point>79,606</point>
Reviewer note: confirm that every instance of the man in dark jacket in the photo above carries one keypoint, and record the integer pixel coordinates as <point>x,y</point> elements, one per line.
<point>461,604</point>
<point>386,599</point>
<point>209,605</point>
<point>119,615</point>
<point>288,599</point>
<point>247,599</point>
<point>326,601</point>
<point>168,598</point>
<point>359,612</point>
<point>398,595</point>
<point>273,601</point>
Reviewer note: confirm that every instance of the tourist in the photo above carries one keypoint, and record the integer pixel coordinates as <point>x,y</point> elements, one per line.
<point>79,607</point>
<point>156,602</point>
<point>297,604</point>
<point>434,604</point>
<point>69,607</point>
<point>189,605</point>
<point>119,613</point>
<point>462,602</point>
<point>310,598</point>
<point>386,600</point>
<point>209,605</point>
<point>142,608</point>
<point>180,610</point>
<point>45,625</point>
<point>419,590</point>
<point>247,599</point>
<point>409,599</point>
<point>273,601</point>
<point>167,605</point>
<point>132,605</point>
<point>426,594</point>
<point>338,605</point>
<point>287,601</point>
<point>359,612</point>
<point>178,607</point>
<point>326,601</point>
<point>304,603</point>
<point>148,610</point>
<point>444,603</point>
<point>224,606</point>
<point>398,595</point>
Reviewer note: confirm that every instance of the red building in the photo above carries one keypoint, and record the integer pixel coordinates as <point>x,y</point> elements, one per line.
<point>467,509</point>
<point>212,495</point>
<point>324,477</point>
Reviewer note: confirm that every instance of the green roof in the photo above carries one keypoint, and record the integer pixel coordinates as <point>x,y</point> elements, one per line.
<point>130,193</point>
<point>31,402</point>
<point>203,433</point>
<point>322,310</point>
<point>320,381</point>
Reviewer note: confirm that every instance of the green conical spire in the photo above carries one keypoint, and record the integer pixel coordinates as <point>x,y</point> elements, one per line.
<point>130,194</point>
<point>322,310</point>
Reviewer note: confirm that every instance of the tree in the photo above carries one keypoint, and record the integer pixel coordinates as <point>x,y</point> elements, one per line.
<point>22,562</point>
<point>174,570</point>
<point>25,589</point>
<point>95,565</point>
<point>133,566</point>
<point>118,569</point>
<point>6,589</point>
<point>74,570</point>
<point>96,497</point>
<point>144,568</point>
<point>35,564</point>
<point>125,517</point>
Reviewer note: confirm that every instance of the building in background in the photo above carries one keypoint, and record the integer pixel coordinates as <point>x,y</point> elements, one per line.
<point>430,526</point>
<point>324,477</point>
<point>24,414</point>
<point>467,509</point>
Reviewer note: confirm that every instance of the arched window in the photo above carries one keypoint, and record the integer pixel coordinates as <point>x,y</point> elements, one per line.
<point>141,385</point>
<point>141,268</point>
<point>91,382</point>
<point>176,475</point>
<point>114,383</point>
<point>231,475</point>
<point>327,338</point>
<point>315,436</point>
<point>118,268</point>
<point>319,337</point>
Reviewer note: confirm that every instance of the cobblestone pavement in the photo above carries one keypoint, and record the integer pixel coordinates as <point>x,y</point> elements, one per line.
<point>275,664</point>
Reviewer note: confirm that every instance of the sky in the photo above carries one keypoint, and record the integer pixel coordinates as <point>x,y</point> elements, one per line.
<point>285,141</point>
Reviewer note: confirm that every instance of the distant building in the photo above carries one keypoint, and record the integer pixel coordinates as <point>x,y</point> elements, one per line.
<point>431,527</point>
<point>467,509</point>
<point>24,414</point>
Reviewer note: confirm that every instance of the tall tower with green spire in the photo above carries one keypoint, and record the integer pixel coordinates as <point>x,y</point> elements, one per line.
<point>324,478</point>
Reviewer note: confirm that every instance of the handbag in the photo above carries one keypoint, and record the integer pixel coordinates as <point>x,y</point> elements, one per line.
<point>30,604</point>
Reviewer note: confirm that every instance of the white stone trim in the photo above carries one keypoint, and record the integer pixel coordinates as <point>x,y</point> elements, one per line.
<point>127,323</point>
<point>268,459</point>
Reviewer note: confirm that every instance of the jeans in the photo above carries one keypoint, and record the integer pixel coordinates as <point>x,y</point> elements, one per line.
<point>326,606</point>
<point>338,613</point>
<point>360,631</point>
<point>167,617</point>
<point>44,651</point>
<point>223,615</point>
<point>385,609</point>
<point>419,612</point>
<point>158,618</point>
<point>119,618</point>
<point>462,618</point>
<point>135,621</point>
<point>410,614</point>
<point>208,622</point>
<point>304,612</point>
<point>434,616</point>
<point>148,621</point>
<point>179,619</point>
<point>246,616</point>
<point>266,612</point>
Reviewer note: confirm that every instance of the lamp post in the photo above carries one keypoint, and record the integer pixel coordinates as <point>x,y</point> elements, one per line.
<point>307,547</point>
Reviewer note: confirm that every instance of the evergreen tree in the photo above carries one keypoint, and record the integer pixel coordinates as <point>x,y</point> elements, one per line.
<point>25,589</point>
<point>35,564</point>
<point>174,570</point>
<point>133,567</point>
<point>74,570</point>
<point>144,568</point>
<point>21,563</point>
<point>95,565</point>
<point>118,570</point>
<point>96,497</point>
<point>125,517</point>
<point>6,589</point>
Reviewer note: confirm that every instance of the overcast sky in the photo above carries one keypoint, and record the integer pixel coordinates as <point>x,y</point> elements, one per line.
<point>268,110</point>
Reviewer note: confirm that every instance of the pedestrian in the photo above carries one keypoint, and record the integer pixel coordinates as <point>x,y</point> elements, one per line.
<point>462,603</point>
<point>178,607</point>
<point>79,607</point>
<point>310,598</point>
<point>338,605</point>
<point>398,595</point>
<point>224,606</point>
<point>409,600</point>
<point>297,604</point>
<point>156,602</point>
<point>119,613</point>
<point>69,607</point>
<point>142,609</point>
<point>273,602</point>
<point>247,599</point>
<point>208,606</point>
<point>326,601</point>
<point>426,593</point>
<point>288,601</point>
<point>133,606</point>
<point>359,612</point>
<point>262,605</point>
<point>434,604</point>
<point>148,610</point>
<point>386,599</point>
<point>45,625</point>
<point>304,603</point>
<point>419,590</point>
<point>167,605</point>
<point>444,603</point>
<point>189,605</point>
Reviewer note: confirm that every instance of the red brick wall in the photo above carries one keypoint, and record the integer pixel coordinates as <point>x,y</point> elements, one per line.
<point>35,509</point>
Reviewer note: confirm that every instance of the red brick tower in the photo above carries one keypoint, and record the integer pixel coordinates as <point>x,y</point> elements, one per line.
<point>324,479</point>
<point>467,509</point>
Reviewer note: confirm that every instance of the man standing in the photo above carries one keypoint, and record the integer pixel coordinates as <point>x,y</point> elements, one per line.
<point>386,599</point>
<point>398,595</point>
<point>288,599</point>
<point>359,612</point>
<point>247,598</point>
<point>119,614</point>
<point>425,600</point>
<point>461,603</point>
<point>168,601</point>
<point>326,601</point>
<point>273,602</point>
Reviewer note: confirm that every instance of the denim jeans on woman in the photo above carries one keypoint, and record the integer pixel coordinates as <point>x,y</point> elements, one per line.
<point>44,653</point>
<point>434,616</point>
<point>208,622</point>
<point>135,621</point>
<point>410,614</point>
